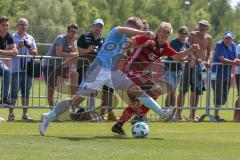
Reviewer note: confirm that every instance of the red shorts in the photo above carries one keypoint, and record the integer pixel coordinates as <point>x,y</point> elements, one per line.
<point>144,81</point>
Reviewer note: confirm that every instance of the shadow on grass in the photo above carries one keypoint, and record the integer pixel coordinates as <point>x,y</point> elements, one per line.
<point>125,137</point>
<point>21,121</point>
<point>37,121</point>
<point>114,137</point>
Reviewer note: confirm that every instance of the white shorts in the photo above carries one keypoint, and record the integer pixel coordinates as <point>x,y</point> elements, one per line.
<point>97,76</point>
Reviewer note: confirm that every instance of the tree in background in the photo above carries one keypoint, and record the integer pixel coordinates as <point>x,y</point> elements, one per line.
<point>50,17</point>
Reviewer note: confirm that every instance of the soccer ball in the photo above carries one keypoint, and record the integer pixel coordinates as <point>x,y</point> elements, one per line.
<point>140,130</point>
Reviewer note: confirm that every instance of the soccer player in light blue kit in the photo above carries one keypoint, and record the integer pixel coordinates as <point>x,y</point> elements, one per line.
<point>104,71</point>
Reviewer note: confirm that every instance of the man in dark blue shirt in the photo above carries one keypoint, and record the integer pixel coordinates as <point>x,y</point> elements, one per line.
<point>172,73</point>
<point>224,53</point>
<point>7,48</point>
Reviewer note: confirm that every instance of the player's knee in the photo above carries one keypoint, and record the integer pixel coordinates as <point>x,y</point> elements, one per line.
<point>135,91</point>
<point>74,76</point>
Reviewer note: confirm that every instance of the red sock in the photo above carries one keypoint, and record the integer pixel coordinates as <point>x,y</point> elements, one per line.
<point>144,110</point>
<point>126,115</point>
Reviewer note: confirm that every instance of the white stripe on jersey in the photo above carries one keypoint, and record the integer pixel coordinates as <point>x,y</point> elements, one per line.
<point>134,56</point>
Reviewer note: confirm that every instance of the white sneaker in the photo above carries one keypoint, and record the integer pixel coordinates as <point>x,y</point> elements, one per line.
<point>11,117</point>
<point>2,120</point>
<point>43,125</point>
<point>168,114</point>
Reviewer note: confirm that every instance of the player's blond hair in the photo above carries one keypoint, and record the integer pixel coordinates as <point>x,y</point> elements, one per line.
<point>166,27</point>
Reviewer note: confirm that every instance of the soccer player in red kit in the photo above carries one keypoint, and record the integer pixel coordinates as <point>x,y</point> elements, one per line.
<point>146,53</point>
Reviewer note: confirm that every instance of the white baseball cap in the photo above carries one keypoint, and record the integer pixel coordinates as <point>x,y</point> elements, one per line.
<point>98,21</point>
<point>204,22</point>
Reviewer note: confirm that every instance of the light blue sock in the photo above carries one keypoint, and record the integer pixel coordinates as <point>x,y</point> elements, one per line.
<point>51,115</point>
<point>150,103</point>
<point>60,108</point>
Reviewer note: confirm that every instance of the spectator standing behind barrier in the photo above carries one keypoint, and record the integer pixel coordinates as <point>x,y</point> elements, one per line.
<point>172,74</point>
<point>192,72</point>
<point>63,46</point>
<point>20,80</point>
<point>236,116</point>
<point>7,48</point>
<point>225,52</point>
<point>88,45</point>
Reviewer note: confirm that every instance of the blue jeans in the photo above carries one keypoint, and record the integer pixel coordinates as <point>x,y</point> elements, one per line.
<point>20,81</point>
<point>5,73</point>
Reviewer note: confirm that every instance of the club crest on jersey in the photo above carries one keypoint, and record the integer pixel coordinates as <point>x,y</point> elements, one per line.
<point>152,57</point>
<point>110,46</point>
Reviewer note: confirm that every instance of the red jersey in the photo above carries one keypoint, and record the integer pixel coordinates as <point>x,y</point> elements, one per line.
<point>142,57</point>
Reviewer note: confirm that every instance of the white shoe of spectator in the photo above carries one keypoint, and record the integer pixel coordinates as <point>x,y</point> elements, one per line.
<point>180,118</point>
<point>11,117</point>
<point>2,120</point>
<point>194,118</point>
<point>27,118</point>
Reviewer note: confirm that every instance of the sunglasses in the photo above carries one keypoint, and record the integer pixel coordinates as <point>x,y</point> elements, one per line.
<point>73,31</point>
<point>21,24</point>
<point>184,33</point>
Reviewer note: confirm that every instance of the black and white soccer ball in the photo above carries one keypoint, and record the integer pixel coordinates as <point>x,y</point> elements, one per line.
<point>140,130</point>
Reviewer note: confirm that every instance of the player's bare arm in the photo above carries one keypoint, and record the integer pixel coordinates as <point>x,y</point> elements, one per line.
<point>184,54</point>
<point>130,32</point>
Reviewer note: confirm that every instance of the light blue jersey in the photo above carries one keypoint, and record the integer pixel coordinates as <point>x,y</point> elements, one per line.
<point>112,49</point>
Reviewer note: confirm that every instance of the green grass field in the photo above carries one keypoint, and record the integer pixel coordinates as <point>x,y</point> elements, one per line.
<point>88,141</point>
<point>91,141</point>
